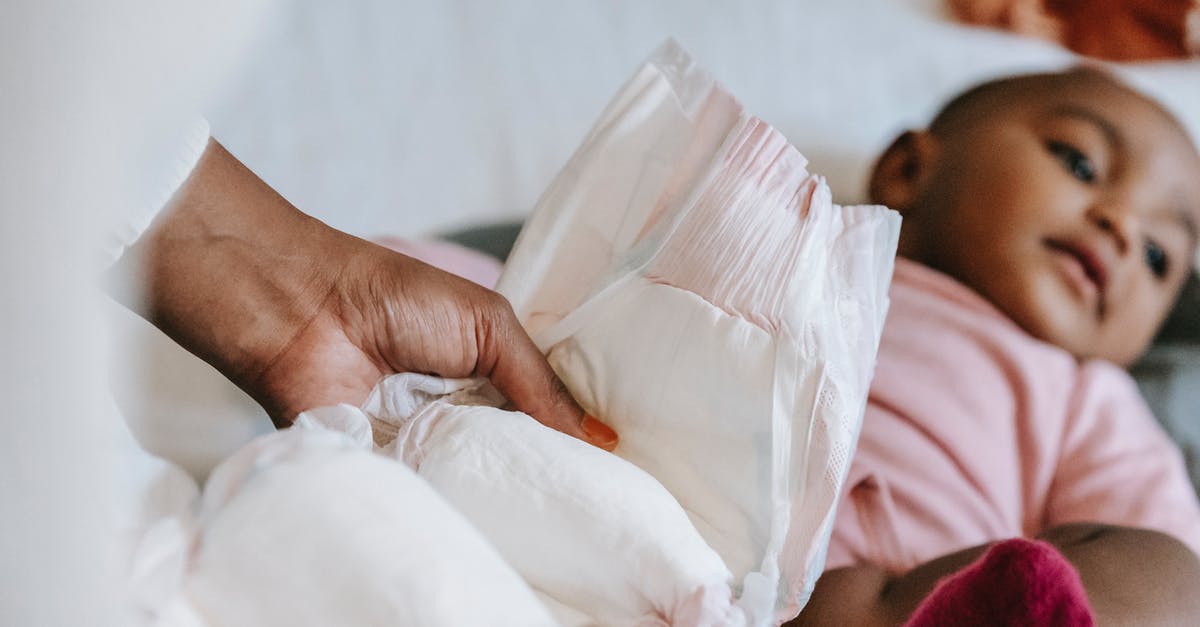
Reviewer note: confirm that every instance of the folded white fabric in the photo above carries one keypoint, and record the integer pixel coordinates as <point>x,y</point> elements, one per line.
<point>586,528</point>
<point>308,527</point>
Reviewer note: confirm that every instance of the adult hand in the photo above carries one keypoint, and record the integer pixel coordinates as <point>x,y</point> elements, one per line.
<point>300,315</point>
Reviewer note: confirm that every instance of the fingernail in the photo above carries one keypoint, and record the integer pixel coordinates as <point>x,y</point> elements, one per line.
<point>599,433</point>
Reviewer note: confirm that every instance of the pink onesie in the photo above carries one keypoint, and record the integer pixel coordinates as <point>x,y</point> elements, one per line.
<point>976,432</point>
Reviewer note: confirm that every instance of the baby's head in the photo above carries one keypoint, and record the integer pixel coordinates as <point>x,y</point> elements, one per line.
<point>1068,200</point>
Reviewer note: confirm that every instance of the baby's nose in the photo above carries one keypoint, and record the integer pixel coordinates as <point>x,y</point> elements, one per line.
<point>1115,219</point>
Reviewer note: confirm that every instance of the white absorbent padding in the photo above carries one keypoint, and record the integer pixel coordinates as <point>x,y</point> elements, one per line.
<point>307,527</point>
<point>655,413</point>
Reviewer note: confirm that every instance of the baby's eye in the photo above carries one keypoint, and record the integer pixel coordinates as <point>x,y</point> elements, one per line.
<point>1074,161</point>
<point>1156,259</point>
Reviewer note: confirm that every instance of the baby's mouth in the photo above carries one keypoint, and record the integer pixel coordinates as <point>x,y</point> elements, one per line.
<point>1085,268</point>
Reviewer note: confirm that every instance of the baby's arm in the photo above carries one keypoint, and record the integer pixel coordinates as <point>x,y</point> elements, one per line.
<point>1131,576</point>
<point>865,595</point>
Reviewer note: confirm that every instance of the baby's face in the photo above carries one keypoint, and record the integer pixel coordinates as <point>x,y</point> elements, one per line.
<point>1073,209</point>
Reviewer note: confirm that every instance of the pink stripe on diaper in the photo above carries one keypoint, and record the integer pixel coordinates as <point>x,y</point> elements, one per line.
<point>738,245</point>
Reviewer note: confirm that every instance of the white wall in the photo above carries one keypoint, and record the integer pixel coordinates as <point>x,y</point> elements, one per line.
<point>413,117</point>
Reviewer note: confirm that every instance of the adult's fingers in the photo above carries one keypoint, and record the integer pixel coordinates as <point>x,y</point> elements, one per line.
<point>513,363</point>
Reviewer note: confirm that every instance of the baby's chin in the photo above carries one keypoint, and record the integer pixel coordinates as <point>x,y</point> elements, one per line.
<point>1053,315</point>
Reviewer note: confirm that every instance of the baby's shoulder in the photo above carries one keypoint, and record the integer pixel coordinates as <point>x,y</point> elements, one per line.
<point>1105,387</point>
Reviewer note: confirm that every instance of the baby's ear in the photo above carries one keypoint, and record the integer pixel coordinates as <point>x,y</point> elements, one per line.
<point>902,170</point>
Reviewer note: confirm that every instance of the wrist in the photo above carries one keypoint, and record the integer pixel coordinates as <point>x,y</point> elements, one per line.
<point>232,270</point>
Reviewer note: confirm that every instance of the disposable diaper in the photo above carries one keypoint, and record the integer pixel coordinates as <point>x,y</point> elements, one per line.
<point>696,288</point>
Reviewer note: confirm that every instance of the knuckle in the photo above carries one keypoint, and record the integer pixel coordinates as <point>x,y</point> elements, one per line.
<point>496,308</point>
<point>500,303</point>
<point>495,324</point>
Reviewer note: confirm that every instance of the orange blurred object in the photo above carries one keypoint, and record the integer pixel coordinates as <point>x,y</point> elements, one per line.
<point>1116,30</point>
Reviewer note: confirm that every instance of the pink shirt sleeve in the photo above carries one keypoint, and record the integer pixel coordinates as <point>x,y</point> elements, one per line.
<point>1117,465</point>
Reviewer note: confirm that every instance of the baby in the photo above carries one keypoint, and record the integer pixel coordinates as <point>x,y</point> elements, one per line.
<point>1050,222</point>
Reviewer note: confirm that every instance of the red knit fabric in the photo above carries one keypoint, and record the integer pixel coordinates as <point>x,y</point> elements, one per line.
<point>1117,30</point>
<point>1017,582</point>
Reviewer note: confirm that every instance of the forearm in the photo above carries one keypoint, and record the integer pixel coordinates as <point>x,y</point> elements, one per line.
<point>224,222</point>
